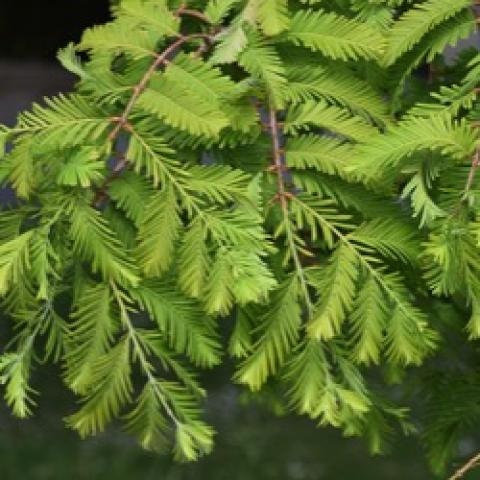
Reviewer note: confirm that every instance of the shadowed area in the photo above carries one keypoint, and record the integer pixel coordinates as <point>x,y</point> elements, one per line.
<point>22,83</point>
<point>33,29</point>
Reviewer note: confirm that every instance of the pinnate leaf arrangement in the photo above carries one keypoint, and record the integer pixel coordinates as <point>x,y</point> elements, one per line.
<point>281,172</point>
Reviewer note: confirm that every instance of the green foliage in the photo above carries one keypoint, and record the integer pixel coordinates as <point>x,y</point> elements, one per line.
<point>416,22</point>
<point>263,164</point>
<point>334,36</point>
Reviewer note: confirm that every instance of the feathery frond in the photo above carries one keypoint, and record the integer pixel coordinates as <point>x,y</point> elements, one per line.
<point>334,36</point>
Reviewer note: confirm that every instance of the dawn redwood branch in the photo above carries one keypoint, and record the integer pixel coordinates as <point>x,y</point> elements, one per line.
<point>139,350</point>
<point>121,122</point>
<point>283,195</point>
<point>160,59</point>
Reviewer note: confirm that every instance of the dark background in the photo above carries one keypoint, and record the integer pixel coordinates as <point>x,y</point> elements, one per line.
<point>31,33</point>
<point>37,29</point>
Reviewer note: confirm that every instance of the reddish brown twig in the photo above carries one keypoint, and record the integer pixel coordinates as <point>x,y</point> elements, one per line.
<point>283,196</point>
<point>275,168</point>
<point>116,171</point>
<point>469,183</point>
<point>278,165</point>
<point>140,87</point>
<point>472,172</point>
<point>473,168</point>
<point>192,13</point>
<point>121,122</point>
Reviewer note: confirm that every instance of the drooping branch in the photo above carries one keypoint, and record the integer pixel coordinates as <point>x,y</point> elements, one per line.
<point>160,59</point>
<point>146,367</point>
<point>284,196</point>
<point>121,122</point>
